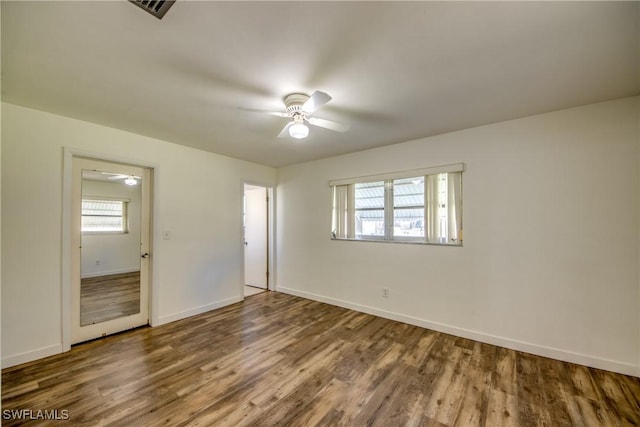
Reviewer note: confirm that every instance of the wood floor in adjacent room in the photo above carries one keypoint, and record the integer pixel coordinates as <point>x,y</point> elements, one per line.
<point>109,297</point>
<point>276,359</point>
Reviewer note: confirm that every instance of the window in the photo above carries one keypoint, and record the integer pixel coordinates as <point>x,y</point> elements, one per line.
<point>104,216</point>
<point>423,206</point>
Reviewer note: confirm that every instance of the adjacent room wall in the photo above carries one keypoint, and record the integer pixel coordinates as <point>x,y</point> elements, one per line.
<point>551,227</point>
<point>197,197</point>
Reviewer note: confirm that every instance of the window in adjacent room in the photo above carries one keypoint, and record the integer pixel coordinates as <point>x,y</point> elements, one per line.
<point>104,216</point>
<point>423,206</point>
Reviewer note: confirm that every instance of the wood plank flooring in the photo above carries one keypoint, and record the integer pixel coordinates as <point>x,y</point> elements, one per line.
<point>275,359</point>
<point>109,297</point>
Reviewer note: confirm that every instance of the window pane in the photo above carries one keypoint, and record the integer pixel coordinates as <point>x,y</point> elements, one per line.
<point>408,207</point>
<point>369,209</point>
<point>103,216</point>
<point>102,223</point>
<point>370,195</point>
<point>102,207</point>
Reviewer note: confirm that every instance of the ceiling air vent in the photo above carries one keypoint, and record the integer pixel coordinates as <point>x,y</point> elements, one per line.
<point>155,7</point>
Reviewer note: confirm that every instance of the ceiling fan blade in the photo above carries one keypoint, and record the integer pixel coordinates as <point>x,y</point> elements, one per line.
<point>328,124</point>
<point>284,133</point>
<point>272,113</point>
<point>317,100</point>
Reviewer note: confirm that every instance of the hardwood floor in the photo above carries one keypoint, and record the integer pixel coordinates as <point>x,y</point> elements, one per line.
<point>105,298</point>
<point>275,359</point>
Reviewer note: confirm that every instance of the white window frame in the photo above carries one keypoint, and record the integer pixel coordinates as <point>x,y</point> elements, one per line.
<point>125,215</point>
<point>345,229</point>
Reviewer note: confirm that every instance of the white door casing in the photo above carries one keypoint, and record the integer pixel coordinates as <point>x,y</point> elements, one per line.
<point>84,333</point>
<point>256,237</point>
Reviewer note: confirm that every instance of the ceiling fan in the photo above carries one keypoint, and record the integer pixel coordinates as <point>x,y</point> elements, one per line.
<point>128,179</point>
<point>299,107</point>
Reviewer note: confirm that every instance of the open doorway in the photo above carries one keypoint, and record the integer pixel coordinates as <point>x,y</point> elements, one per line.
<point>256,239</point>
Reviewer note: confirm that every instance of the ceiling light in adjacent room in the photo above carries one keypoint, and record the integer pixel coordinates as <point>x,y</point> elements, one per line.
<point>130,180</point>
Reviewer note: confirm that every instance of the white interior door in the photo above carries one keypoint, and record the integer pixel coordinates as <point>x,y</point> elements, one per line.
<point>116,304</point>
<point>256,237</point>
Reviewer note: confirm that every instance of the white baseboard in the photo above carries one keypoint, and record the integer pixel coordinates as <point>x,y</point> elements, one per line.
<point>539,350</point>
<point>197,310</point>
<point>28,356</point>
<point>108,273</point>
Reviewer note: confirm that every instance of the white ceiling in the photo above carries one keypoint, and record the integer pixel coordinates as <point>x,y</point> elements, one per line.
<point>396,71</point>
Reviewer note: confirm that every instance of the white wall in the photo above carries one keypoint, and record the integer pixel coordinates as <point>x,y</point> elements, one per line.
<point>104,254</point>
<point>0,223</point>
<point>197,197</point>
<point>551,227</point>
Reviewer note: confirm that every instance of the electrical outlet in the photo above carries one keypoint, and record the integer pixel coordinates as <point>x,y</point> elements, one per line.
<point>385,292</point>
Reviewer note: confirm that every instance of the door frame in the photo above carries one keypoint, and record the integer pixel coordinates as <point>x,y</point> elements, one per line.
<point>66,267</point>
<point>271,254</point>
<point>86,332</point>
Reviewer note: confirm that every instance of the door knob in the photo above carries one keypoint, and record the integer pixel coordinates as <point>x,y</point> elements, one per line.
<point>145,255</point>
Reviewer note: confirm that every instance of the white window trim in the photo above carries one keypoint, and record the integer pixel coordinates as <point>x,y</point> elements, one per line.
<point>456,167</point>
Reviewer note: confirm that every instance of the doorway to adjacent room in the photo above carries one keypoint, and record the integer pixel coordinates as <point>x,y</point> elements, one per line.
<point>256,239</point>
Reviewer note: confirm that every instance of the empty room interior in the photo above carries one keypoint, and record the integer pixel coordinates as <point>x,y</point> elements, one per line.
<point>320,213</point>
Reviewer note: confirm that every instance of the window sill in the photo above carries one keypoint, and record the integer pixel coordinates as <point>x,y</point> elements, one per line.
<point>103,233</point>
<point>404,242</point>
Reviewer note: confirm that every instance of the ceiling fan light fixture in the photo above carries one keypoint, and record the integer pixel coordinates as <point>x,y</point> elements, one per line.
<point>299,107</point>
<point>130,181</point>
<point>298,131</point>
